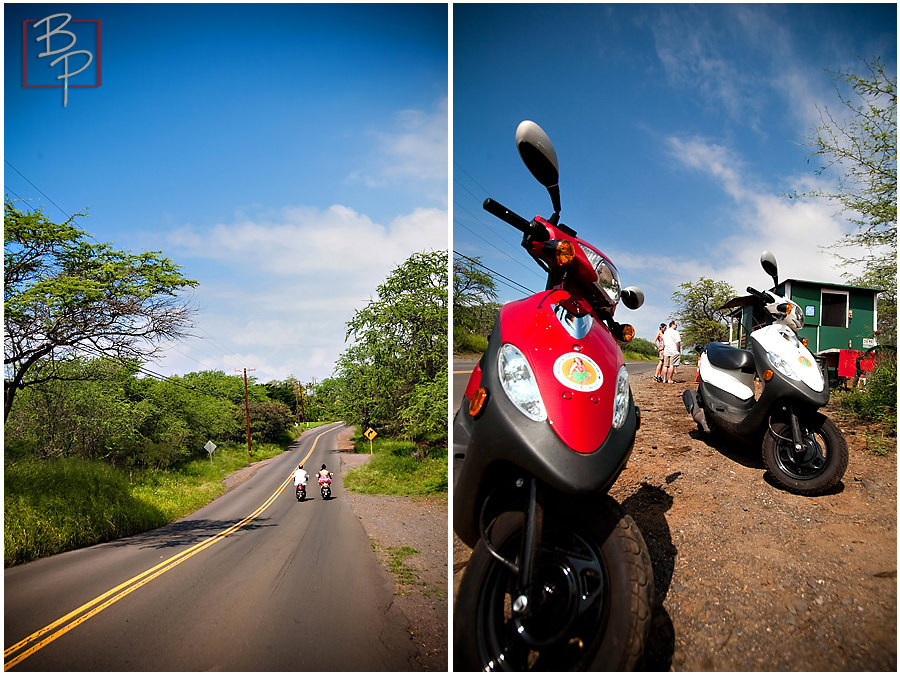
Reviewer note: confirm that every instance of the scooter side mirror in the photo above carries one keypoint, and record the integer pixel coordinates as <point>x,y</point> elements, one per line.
<point>539,156</point>
<point>632,297</point>
<point>770,267</point>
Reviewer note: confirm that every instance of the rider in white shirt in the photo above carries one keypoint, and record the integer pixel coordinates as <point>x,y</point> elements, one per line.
<point>300,476</point>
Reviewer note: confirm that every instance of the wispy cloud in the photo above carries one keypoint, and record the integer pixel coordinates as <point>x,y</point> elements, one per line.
<point>277,288</point>
<point>797,230</point>
<point>413,149</point>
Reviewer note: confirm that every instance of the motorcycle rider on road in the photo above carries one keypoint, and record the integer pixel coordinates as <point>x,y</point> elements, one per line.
<point>300,476</point>
<point>324,475</point>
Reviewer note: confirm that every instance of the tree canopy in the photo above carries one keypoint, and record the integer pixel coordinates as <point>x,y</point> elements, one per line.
<point>698,310</point>
<point>475,305</point>
<point>393,377</point>
<point>64,293</point>
<point>860,143</point>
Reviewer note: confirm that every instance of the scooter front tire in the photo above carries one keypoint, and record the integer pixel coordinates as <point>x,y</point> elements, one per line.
<point>806,478</point>
<point>599,621</point>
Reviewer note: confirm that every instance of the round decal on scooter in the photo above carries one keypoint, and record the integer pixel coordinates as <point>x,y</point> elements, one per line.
<point>805,361</point>
<point>578,371</point>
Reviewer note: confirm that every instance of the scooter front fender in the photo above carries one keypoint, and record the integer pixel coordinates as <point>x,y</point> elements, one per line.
<point>500,441</point>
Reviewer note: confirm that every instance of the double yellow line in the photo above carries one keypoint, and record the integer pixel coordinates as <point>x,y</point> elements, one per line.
<point>101,602</point>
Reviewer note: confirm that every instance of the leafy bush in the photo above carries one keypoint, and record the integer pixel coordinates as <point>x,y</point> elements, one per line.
<point>877,400</point>
<point>396,469</point>
<point>468,343</point>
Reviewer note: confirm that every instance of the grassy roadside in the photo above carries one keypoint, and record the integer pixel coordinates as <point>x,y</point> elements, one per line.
<point>396,469</point>
<point>58,505</point>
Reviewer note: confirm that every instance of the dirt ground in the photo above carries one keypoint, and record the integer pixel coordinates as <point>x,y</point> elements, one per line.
<point>750,577</point>
<point>420,523</point>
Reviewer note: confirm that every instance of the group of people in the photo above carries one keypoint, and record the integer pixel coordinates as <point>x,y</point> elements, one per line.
<point>668,343</point>
<point>301,476</point>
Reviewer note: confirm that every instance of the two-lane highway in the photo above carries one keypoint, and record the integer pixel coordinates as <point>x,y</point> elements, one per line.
<point>253,581</point>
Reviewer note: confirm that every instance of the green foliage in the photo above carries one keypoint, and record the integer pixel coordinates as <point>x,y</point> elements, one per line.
<point>698,311</point>
<point>397,468</point>
<point>390,377</point>
<point>642,347</point>
<point>56,505</point>
<point>63,292</point>
<point>877,400</point>
<point>396,562</point>
<point>863,150</point>
<point>468,343</point>
<point>474,305</point>
<point>99,409</point>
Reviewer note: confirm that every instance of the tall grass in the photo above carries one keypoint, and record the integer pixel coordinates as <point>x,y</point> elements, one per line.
<point>52,506</point>
<point>396,469</point>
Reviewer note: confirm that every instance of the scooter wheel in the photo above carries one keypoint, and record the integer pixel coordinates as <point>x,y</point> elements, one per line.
<point>591,608</point>
<point>817,467</point>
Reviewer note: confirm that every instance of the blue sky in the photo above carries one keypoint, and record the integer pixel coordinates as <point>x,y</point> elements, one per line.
<point>678,130</point>
<point>286,156</point>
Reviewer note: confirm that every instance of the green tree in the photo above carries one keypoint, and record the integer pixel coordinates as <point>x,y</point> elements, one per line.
<point>399,344</point>
<point>64,293</point>
<point>474,290</point>
<point>861,146</point>
<point>699,313</point>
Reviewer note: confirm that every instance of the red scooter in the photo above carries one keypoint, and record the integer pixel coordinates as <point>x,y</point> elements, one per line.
<point>559,577</point>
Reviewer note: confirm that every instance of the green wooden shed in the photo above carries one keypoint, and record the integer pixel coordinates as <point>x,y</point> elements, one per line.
<point>835,316</point>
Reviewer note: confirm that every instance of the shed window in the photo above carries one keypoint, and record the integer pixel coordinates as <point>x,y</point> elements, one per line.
<point>834,309</point>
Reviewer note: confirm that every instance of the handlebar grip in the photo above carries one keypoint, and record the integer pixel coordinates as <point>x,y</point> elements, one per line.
<point>765,297</point>
<point>504,214</point>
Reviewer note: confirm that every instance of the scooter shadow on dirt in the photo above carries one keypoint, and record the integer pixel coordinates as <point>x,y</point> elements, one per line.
<point>648,508</point>
<point>741,453</point>
<point>748,456</point>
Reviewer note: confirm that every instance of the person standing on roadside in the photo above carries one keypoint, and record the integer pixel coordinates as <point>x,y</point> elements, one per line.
<point>671,352</point>
<point>660,346</point>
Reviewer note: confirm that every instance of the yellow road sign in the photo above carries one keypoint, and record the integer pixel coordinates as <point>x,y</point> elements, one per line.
<point>370,433</point>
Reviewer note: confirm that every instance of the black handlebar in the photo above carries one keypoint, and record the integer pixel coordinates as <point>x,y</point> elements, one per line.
<point>765,297</point>
<point>504,214</point>
<point>531,229</point>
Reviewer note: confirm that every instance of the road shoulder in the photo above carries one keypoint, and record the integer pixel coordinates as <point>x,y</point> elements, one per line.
<point>421,523</point>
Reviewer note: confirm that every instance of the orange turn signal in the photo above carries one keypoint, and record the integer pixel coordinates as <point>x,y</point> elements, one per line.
<point>768,375</point>
<point>805,342</point>
<point>560,251</point>
<point>479,398</point>
<point>627,333</point>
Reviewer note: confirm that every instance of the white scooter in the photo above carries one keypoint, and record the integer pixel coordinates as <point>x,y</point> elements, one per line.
<point>803,450</point>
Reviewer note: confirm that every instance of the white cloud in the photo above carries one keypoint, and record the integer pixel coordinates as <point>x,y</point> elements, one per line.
<point>413,150</point>
<point>798,231</point>
<point>277,287</point>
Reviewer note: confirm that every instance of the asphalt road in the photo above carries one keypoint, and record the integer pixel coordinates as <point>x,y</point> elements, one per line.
<point>254,581</point>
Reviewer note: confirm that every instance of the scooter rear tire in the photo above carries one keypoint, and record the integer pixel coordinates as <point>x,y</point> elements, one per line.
<point>797,478</point>
<point>608,631</point>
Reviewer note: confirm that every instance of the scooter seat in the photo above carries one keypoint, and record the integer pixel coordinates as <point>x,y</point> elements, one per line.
<point>725,356</point>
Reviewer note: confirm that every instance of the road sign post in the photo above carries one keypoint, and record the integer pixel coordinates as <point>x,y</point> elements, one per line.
<point>209,447</point>
<point>370,434</point>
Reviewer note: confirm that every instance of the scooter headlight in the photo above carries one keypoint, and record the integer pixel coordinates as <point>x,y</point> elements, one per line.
<point>783,366</point>
<point>518,382</point>
<point>607,276</point>
<point>620,402</point>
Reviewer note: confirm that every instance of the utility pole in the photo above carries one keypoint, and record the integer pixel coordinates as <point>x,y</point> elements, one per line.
<point>303,402</point>
<point>297,399</point>
<point>247,409</point>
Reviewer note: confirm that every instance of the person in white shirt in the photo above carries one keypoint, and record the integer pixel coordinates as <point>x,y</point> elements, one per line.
<point>300,476</point>
<point>671,352</point>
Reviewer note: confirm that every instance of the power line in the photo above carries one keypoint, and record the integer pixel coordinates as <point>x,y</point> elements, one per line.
<point>514,284</point>
<point>36,188</point>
